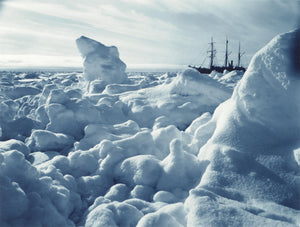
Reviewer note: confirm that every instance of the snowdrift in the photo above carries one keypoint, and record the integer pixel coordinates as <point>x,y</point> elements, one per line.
<point>187,96</point>
<point>152,150</point>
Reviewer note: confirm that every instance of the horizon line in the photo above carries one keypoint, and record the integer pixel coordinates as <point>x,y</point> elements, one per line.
<point>130,68</point>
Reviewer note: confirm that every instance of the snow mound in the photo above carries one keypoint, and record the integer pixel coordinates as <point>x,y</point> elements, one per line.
<point>32,198</point>
<point>170,215</point>
<point>114,214</point>
<point>191,82</point>
<point>269,84</point>
<point>250,154</point>
<point>101,62</point>
<point>181,170</point>
<point>13,144</point>
<point>43,140</point>
<point>181,99</point>
<point>18,92</point>
<point>231,79</point>
<point>139,170</point>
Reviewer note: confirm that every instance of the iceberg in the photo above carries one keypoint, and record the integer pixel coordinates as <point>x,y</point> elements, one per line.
<point>101,62</point>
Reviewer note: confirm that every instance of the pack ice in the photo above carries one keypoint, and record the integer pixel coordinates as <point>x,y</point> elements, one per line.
<point>152,149</point>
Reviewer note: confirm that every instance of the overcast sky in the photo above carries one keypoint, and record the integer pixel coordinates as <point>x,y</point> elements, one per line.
<point>147,32</point>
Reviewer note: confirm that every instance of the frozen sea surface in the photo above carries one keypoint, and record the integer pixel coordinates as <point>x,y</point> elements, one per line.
<point>151,149</point>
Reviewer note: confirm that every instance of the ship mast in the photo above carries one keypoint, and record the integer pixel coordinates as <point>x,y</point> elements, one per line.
<point>240,55</point>
<point>226,53</point>
<point>212,52</point>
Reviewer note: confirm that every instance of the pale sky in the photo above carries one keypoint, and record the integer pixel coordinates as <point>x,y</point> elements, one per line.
<point>154,33</point>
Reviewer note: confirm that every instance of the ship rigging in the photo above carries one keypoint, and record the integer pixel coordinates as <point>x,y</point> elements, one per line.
<point>227,65</point>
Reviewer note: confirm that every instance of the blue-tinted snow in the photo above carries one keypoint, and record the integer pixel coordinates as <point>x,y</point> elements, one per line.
<point>154,149</point>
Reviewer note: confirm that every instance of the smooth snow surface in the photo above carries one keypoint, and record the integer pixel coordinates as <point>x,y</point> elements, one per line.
<point>152,149</point>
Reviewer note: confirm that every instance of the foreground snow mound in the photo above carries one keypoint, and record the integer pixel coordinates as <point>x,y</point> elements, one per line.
<point>252,173</point>
<point>34,198</point>
<point>101,62</point>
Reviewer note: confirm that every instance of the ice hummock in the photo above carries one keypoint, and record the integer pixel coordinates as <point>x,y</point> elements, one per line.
<point>101,62</point>
<point>162,150</point>
<point>181,100</point>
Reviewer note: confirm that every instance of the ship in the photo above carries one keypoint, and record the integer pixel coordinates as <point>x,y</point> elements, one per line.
<point>227,65</point>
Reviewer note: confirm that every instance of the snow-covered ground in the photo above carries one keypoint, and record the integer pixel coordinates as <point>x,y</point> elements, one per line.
<point>109,148</point>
